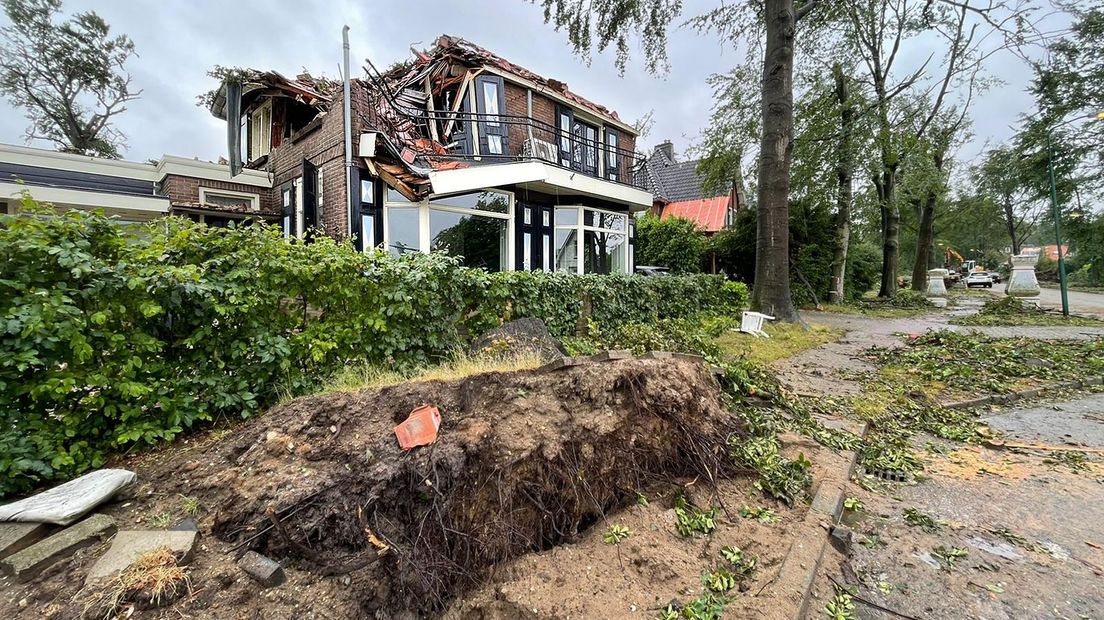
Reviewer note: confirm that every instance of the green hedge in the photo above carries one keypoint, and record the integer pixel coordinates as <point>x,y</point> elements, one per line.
<point>115,336</point>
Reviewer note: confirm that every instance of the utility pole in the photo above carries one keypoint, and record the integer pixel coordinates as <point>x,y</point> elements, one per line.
<point>1057,227</point>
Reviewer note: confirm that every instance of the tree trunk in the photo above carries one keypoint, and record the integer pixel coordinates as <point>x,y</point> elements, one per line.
<point>891,231</point>
<point>924,238</point>
<point>1010,223</point>
<point>843,199</point>
<point>772,245</point>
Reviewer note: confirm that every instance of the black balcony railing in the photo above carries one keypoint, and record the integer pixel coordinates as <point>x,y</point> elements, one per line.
<point>483,137</point>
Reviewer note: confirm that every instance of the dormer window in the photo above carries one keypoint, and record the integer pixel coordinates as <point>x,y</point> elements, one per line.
<point>260,131</point>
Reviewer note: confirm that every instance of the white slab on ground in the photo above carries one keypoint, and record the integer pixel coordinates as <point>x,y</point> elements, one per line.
<point>65,503</point>
<point>129,545</point>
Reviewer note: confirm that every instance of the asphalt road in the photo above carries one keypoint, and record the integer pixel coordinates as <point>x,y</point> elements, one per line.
<point>1079,302</point>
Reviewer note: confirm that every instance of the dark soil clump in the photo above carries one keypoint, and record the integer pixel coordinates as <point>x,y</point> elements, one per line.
<point>523,462</point>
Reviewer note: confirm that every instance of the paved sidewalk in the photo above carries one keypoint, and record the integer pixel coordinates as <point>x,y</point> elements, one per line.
<point>1031,528</point>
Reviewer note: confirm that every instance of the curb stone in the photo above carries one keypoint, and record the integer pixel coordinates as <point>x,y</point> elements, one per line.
<point>26,564</point>
<point>802,562</point>
<point>1024,394</point>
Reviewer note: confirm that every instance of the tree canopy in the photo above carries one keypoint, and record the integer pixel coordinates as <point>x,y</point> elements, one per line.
<point>68,76</point>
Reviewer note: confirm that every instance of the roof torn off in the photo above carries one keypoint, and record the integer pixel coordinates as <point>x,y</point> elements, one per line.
<point>423,114</point>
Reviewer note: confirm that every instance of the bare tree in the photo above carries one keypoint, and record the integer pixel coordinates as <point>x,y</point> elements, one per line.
<point>67,76</point>
<point>969,32</point>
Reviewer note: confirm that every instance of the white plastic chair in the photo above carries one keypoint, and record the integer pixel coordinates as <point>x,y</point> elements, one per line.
<point>752,323</point>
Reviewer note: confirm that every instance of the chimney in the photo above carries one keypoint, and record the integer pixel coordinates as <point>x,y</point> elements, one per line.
<point>667,148</point>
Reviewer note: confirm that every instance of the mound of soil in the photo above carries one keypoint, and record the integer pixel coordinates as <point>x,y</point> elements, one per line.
<point>524,461</point>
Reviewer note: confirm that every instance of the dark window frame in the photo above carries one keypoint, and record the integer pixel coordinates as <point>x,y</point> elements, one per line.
<point>368,205</point>
<point>288,221</point>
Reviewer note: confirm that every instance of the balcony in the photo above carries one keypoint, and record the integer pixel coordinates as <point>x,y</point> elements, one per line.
<point>479,138</point>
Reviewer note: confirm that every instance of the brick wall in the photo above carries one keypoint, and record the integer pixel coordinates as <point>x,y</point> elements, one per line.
<point>181,189</point>
<point>544,111</point>
<point>325,148</point>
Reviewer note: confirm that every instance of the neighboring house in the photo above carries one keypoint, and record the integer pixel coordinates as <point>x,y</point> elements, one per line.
<point>131,191</point>
<point>457,150</point>
<point>678,192</point>
<point>1050,251</point>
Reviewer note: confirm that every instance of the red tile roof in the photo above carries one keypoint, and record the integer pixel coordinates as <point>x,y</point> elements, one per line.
<point>709,213</point>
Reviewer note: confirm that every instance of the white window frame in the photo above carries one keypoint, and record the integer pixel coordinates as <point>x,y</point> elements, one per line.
<point>426,205</point>
<point>580,230</point>
<point>319,198</point>
<point>300,214</point>
<point>260,131</point>
<point>253,199</point>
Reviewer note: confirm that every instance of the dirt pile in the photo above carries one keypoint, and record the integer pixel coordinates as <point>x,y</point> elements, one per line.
<point>524,461</point>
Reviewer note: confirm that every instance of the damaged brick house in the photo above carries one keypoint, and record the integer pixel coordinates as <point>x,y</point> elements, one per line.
<point>457,150</point>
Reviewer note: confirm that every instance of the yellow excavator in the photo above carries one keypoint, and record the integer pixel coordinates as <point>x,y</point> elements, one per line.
<point>948,254</point>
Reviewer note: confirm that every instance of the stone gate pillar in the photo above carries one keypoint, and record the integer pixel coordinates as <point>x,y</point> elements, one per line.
<point>1023,283</point>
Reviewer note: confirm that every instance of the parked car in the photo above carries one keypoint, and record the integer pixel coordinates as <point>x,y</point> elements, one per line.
<point>995,276</point>
<point>979,278</point>
<point>649,270</point>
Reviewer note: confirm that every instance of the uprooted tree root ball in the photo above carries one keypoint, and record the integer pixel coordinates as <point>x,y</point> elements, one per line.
<point>524,461</point>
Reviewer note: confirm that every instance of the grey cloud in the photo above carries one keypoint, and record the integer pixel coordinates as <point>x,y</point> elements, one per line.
<point>179,41</point>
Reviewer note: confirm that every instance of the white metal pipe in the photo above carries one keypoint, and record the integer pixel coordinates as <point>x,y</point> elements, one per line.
<point>348,119</point>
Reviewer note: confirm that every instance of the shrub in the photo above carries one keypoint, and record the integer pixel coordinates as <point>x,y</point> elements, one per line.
<point>112,337</point>
<point>557,298</point>
<point>864,269</point>
<point>675,242</point>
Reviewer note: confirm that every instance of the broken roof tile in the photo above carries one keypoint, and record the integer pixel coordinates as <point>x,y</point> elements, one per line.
<point>472,53</point>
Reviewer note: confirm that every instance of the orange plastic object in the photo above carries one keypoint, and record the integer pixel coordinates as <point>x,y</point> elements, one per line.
<point>419,428</point>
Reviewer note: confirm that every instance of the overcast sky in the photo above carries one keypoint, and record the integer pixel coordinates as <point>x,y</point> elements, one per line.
<point>179,40</point>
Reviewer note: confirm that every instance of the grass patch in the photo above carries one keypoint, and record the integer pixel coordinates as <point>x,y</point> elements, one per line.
<point>1013,312</point>
<point>368,376</point>
<point>786,340</point>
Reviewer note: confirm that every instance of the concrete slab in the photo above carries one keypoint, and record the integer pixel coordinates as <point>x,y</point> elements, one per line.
<point>68,502</point>
<point>29,562</point>
<point>558,363</point>
<point>129,545</point>
<point>607,356</point>
<point>16,537</point>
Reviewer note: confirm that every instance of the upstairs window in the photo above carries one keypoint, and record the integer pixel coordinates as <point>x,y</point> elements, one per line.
<point>490,101</point>
<point>578,142</point>
<point>260,131</point>
<point>613,164</point>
